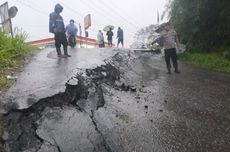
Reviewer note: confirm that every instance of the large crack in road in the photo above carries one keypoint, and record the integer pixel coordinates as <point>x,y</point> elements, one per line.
<point>128,104</point>
<point>22,125</point>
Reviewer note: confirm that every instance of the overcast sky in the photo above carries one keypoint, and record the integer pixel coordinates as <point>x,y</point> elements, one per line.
<point>130,15</point>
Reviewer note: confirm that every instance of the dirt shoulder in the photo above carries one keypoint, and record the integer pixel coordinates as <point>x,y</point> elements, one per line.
<point>7,78</point>
<point>9,75</point>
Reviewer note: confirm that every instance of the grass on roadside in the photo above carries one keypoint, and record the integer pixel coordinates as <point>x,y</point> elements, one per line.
<point>212,61</point>
<point>12,52</point>
<point>12,48</point>
<point>4,82</point>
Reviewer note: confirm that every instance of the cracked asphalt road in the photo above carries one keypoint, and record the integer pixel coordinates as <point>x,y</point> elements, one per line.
<point>127,103</point>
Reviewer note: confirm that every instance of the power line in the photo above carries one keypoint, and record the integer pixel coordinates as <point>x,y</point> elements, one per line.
<point>118,14</point>
<point>37,6</point>
<point>29,6</point>
<point>74,11</point>
<point>103,8</point>
<point>71,9</point>
<point>134,20</point>
<point>37,10</point>
<point>101,13</point>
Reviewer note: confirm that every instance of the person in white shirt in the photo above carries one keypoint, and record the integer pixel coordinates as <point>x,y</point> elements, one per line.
<point>169,40</point>
<point>100,39</point>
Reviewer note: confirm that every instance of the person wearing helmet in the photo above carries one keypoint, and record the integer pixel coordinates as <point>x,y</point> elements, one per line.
<point>57,27</point>
<point>71,31</point>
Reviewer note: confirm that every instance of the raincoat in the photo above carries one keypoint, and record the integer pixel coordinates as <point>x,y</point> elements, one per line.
<point>56,24</point>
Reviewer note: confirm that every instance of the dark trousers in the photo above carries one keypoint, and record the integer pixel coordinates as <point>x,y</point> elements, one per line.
<point>60,39</point>
<point>72,40</point>
<point>120,41</point>
<point>110,42</point>
<point>101,45</point>
<point>171,54</point>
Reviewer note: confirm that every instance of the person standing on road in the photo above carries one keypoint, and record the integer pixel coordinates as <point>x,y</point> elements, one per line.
<point>110,37</point>
<point>71,31</point>
<point>100,39</point>
<point>169,40</point>
<point>120,37</point>
<point>57,26</point>
<point>103,45</point>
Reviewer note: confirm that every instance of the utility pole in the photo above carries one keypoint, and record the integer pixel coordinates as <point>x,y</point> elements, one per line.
<point>80,35</point>
<point>5,17</point>
<point>87,24</point>
<point>158,17</point>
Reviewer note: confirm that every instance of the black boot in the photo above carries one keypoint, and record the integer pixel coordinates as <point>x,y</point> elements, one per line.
<point>169,71</point>
<point>66,52</point>
<point>58,52</point>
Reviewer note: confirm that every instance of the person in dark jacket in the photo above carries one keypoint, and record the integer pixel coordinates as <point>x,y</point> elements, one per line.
<point>120,37</point>
<point>110,37</point>
<point>57,26</point>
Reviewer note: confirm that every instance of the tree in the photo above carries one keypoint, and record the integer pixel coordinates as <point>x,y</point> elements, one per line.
<point>204,25</point>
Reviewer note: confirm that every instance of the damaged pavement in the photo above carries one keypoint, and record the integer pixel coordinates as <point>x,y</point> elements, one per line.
<point>121,102</point>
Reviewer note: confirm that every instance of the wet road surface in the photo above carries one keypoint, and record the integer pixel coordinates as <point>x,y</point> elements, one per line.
<point>47,74</point>
<point>129,104</point>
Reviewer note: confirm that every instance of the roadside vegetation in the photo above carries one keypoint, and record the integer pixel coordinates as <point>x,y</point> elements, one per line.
<point>12,53</point>
<point>212,61</point>
<point>204,27</point>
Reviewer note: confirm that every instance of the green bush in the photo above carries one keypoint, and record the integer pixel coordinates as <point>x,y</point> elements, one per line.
<point>211,61</point>
<point>12,48</point>
<point>203,25</point>
<point>226,54</point>
<point>12,51</point>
